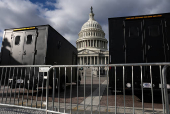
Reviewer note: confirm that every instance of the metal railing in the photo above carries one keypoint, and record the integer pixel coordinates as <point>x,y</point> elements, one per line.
<point>112,88</point>
<point>20,86</point>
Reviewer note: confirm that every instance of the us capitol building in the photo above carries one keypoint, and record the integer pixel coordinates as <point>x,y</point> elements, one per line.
<point>92,44</point>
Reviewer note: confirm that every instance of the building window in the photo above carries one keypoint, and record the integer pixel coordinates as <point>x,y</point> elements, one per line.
<point>17,40</point>
<point>29,39</point>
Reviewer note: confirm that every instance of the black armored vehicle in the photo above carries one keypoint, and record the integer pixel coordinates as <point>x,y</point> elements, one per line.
<point>138,39</point>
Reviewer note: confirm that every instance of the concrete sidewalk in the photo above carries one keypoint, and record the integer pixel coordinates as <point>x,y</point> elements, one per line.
<point>88,110</point>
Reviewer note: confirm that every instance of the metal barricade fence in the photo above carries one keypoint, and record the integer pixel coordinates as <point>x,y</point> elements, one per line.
<point>115,88</point>
<point>23,86</point>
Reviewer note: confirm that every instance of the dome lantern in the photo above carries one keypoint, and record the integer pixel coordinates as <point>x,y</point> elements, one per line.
<point>91,15</point>
<point>91,23</point>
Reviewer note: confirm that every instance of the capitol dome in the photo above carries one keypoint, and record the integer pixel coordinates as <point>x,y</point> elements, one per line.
<point>91,35</point>
<point>91,23</point>
<point>92,45</point>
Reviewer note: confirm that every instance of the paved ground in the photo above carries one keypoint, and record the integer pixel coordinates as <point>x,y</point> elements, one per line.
<point>81,99</point>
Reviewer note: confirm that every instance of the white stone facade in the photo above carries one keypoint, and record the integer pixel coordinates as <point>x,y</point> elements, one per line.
<point>92,44</point>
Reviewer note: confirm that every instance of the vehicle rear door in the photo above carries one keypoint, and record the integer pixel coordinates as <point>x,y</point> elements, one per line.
<point>29,50</point>
<point>155,42</point>
<point>133,41</point>
<point>133,46</point>
<point>17,47</point>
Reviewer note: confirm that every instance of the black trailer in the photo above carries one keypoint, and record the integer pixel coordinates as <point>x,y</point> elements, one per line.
<point>138,39</point>
<point>38,45</point>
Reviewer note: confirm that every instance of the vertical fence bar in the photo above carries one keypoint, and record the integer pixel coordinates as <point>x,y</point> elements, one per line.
<point>1,77</point>
<point>65,92</point>
<point>152,88</point>
<point>54,87</point>
<point>84,90</point>
<point>77,92</point>
<point>4,84</point>
<point>59,90</point>
<point>99,90</point>
<point>12,85</point>
<point>33,85</point>
<point>115,93</point>
<point>164,73</point>
<point>91,92</point>
<point>28,83</point>
<point>124,86</point>
<point>42,90</point>
<point>71,93</point>
<point>37,88</point>
<point>107,89</point>
<point>8,84</point>
<point>15,86</point>
<point>23,86</point>
<point>162,89</point>
<point>47,90</point>
<point>133,92</point>
<point>142,89</point>
<point>19,86</point>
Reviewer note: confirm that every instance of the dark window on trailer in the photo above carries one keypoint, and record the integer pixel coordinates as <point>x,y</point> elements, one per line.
<point>17,40</point>
<point>29,39</point>
<point>133,31</point>
<point>153,30</point>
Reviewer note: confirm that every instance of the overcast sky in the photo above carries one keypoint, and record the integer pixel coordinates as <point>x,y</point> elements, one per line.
<point>68,16</point>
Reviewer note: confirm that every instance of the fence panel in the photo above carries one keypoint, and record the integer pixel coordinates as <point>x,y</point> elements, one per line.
<point>117,88</point>
<point>23,86</point>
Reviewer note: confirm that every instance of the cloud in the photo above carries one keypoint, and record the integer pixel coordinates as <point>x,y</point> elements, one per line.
<point>19,13</point>
<point>68,16</point>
